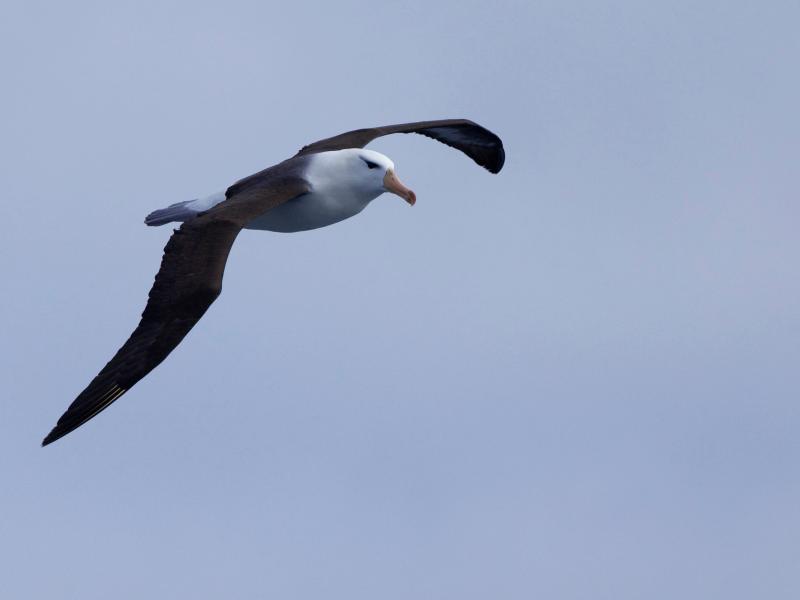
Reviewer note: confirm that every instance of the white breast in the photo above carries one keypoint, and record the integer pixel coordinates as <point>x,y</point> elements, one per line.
<point>310,211</point>
<point>339,191</point>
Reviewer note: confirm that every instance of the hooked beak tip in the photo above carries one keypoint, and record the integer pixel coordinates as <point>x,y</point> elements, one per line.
<point>392,184</point>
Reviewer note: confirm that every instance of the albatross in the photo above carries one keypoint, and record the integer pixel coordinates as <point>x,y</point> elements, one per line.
<point>325,182</point>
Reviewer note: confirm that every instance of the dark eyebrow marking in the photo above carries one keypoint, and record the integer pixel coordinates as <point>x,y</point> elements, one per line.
<point>370,164</point>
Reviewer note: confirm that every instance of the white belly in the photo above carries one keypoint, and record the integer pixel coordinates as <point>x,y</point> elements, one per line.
<point>311,211</point>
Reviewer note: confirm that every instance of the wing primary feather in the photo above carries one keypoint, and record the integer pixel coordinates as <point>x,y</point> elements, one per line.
<point>188,282</point>
<point>477,142</point>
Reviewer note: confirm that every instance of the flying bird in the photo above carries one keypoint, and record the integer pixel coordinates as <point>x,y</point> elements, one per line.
<point>324,183</point>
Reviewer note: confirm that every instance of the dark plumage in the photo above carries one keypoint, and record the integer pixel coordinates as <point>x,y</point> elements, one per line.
<point>190,277</point>
<point>477,142</point>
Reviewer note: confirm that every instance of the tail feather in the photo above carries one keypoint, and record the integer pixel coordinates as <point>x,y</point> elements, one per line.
<point>180,211</point>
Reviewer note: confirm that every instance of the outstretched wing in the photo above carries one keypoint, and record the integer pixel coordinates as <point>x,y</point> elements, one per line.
<point>189,280</point>
<point>477,142</point>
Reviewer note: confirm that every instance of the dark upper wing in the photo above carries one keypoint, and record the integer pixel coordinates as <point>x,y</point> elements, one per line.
<point>477,142</point>
<point>189,280</point>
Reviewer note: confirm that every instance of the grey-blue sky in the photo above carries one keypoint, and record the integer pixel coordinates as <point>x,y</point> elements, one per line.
<point>577,379</point>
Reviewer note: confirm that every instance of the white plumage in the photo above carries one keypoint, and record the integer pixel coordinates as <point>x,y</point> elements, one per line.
<point>343,183</point>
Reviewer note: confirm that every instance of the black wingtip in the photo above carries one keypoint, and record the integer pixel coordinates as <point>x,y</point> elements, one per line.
<point>50,438</point>
<point>500,160</point>
<point>484,147</point>
<point>497,154</point>
<point>56,434</point>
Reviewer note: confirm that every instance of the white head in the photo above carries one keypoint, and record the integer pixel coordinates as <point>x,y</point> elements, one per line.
<point>364,173</point>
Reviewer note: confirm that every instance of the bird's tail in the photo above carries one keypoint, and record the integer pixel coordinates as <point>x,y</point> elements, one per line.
<point>180,211</point>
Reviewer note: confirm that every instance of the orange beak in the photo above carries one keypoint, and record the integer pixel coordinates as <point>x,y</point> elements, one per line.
<point>392,184</point>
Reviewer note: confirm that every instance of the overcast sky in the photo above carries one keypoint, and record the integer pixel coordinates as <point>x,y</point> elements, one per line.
<point>577,379</point>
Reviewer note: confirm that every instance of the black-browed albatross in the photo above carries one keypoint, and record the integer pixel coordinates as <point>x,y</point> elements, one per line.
<point>326,182</point>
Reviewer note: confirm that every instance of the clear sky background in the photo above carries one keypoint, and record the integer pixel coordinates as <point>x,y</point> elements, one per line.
<point>577,379</point>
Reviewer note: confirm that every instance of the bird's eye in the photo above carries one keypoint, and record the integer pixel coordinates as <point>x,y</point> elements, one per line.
<point>370,164</point>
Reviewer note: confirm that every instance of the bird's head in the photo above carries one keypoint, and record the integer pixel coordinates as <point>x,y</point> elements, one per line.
<point>377,171</point>
<point>363,173</point>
